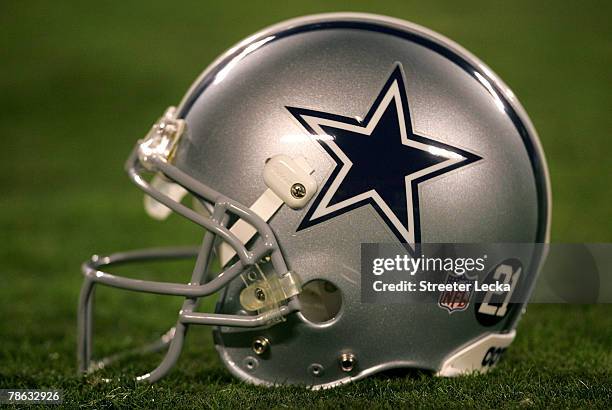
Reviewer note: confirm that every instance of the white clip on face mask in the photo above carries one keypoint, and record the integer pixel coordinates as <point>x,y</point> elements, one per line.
<point>156,209</point>
<point>289,181</point>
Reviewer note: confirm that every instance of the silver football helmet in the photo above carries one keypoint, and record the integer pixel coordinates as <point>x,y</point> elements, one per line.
<point>298,145</point>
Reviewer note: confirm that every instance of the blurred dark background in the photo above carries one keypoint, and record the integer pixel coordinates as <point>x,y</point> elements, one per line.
<point>80,82</point>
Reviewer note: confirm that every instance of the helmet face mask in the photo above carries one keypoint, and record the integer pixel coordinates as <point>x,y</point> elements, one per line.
<point>303,142</point>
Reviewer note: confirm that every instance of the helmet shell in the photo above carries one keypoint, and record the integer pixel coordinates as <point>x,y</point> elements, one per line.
<point>236,118</point>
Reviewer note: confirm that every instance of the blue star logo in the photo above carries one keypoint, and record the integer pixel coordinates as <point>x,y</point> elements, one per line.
<point>380,161</point>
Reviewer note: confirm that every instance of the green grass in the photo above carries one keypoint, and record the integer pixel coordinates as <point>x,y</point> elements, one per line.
<point>81,81</point>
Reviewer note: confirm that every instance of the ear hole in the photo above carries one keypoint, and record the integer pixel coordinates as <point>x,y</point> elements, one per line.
<point>321,301</point>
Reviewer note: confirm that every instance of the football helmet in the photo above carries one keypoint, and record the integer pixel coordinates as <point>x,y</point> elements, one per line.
<point>298,145</point>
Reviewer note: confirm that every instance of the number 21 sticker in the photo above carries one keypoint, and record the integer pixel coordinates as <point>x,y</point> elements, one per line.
<point>495,304</point>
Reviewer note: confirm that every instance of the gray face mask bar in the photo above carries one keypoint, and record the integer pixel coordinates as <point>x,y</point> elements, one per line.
<point>272,297</point>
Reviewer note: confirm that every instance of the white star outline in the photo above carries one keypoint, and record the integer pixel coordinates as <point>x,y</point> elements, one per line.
<point>392,95</point>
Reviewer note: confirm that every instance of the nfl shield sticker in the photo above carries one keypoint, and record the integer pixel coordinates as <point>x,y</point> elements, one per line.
<point>457,298</point>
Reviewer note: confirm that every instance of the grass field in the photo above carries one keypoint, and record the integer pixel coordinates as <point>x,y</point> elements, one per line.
<point>81,81</point>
